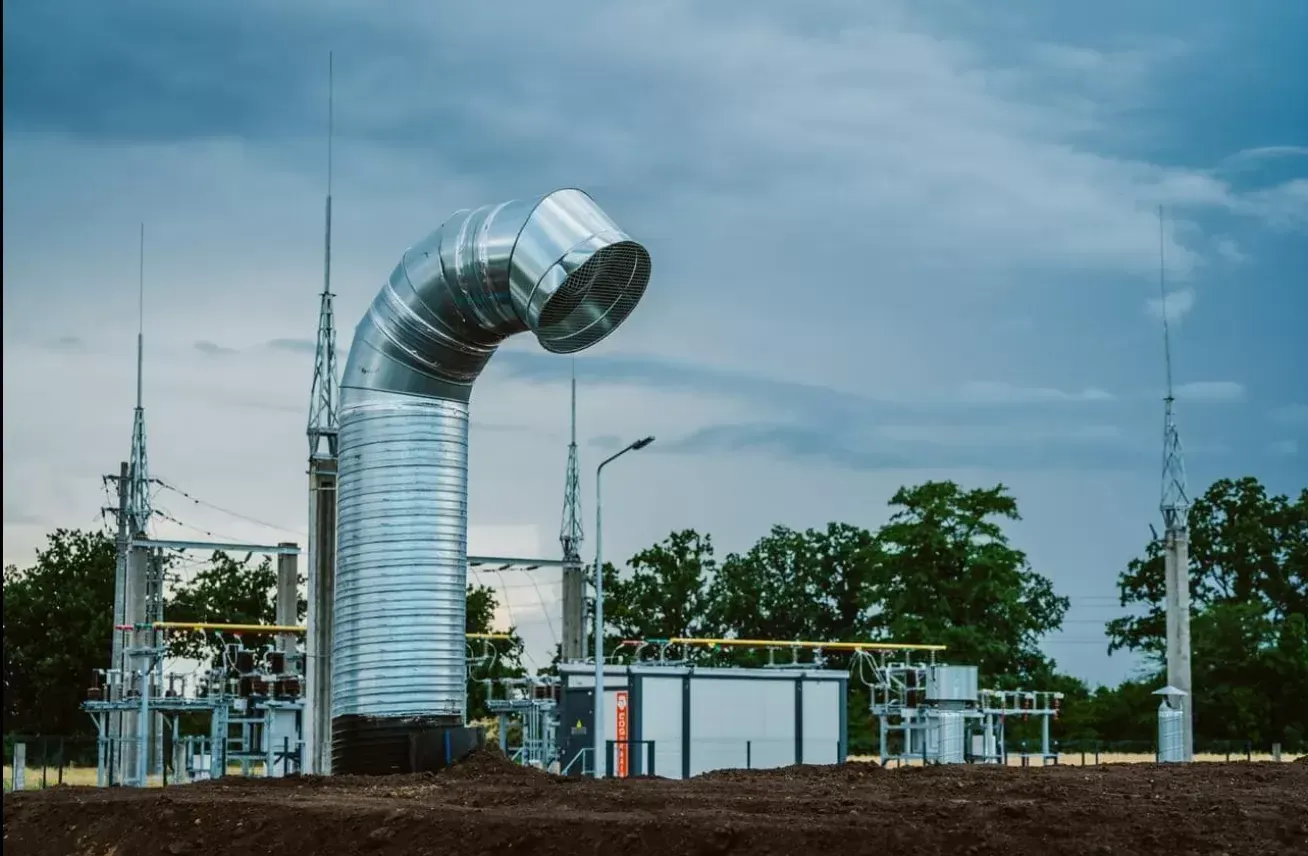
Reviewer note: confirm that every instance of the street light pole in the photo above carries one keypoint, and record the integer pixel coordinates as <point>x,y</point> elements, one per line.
<point>597,720</point>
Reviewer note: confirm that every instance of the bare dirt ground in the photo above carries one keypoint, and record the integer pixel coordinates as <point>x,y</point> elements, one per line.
<point>489,806</point>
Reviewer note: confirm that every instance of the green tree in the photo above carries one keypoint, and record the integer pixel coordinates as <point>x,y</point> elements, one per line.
<point>950,576</point>
<point>58,620</point>
<point>664,592</point>
<point>488,660</point>
<point>1249,625</point>
<point>817,585</point>
<point>226,591</point>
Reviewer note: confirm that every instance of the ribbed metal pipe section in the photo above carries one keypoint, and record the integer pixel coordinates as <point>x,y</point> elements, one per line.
<point>399,647</point>
<point>557,267</point>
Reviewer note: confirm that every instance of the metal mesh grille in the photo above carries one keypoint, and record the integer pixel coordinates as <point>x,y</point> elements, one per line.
<point>595,299</point>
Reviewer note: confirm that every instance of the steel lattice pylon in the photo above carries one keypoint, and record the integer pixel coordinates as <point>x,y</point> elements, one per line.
<point>324,396</point>
<point>570,532</point>
<point>1175,502</point>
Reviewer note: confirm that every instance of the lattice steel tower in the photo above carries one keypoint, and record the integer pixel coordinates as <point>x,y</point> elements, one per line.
<point>1175,506</point>
<point>570,538</point>
<point>325,392</point>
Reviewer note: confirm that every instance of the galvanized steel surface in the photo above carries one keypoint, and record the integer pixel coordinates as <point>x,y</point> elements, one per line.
<point>398,646</point>
<point>1171,734</point>
<point>558,267</point>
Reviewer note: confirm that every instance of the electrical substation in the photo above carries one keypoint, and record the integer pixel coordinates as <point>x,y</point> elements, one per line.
<point>376,681</point>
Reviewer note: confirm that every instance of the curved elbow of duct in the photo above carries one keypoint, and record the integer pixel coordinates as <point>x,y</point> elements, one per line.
<point>557,267</point>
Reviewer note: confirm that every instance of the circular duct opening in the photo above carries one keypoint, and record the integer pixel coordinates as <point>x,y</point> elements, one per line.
<point>595,298</point>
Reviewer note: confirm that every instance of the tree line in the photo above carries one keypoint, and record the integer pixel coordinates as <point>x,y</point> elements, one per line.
<point>941,570</point>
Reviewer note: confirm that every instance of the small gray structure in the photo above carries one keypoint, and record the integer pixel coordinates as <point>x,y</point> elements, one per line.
<point>677,721</point>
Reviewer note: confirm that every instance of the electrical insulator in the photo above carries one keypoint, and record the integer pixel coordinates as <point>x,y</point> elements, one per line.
<point>1056,700</point>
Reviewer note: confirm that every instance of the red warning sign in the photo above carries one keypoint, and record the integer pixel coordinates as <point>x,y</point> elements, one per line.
<point>621,737</point>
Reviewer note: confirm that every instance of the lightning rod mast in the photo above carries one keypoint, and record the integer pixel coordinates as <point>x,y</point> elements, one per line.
<point>324,394</point>
<point>138,472</point>
<point>570,538</point>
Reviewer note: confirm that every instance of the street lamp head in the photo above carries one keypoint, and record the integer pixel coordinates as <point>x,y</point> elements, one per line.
<point>640,444</point>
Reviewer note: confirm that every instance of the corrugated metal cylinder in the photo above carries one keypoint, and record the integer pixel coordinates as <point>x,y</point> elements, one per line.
<point>951,746</point>
<point>1171,734</point>
<point>557,267</point>
<point>401,584</point>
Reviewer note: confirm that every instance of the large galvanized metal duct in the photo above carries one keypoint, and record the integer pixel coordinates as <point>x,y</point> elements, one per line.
<point>556,266</point>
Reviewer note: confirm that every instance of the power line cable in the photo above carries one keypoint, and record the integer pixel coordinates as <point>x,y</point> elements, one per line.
<point>256,521</point>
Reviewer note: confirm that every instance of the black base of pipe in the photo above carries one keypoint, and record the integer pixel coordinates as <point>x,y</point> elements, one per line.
<point>379,746</point>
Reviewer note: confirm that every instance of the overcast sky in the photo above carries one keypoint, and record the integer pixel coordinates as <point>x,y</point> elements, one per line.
<point>891,242</point>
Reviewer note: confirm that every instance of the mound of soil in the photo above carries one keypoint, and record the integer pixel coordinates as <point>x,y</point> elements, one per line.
<point>489,806</point>
<point>490,763</point>
<point>835,773</point>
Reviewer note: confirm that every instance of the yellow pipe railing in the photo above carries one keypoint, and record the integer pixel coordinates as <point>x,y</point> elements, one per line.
<point>784,643</point>
<point>258,628</point>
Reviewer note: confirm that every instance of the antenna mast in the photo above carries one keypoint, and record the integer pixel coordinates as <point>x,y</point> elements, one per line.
<point>1175,505</point>
<point>570,534</point>
<point>324,395</point>
<point>138,475</point>
<point>570,537</point>
<point>1175,502</point>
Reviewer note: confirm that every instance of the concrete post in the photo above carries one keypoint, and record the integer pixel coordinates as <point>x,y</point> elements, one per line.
<point>288,596</point>
<point>143,741</point>
<point>117,662</point>
<point>129,755</point>
<point>574,613</point>
<point>322,594</point>
<point>1176,564</point>
<point>17,777</point>
<point>1276,752</point>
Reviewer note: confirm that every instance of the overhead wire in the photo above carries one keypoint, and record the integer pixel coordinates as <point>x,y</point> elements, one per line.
<point>508,607</point>
<point>247,518</point>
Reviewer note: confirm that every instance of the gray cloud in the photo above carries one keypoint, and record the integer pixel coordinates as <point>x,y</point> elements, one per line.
<point>987,425</point>
<point>213,349</point>
<point>605,442</point>
<point>819,402</point>
<point>1210,392</point>
<point>537,114</point>
<point>66,343</point>
<point>116,75</point>
<point>1284,448</point>
<point>1021,450</point>
<point>1290,415</point>
<point>296,346</point>
<point>19,517</point>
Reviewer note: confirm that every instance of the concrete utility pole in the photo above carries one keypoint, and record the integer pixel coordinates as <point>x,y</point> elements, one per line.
<point>288,595</point>
<point>1175,506</point>
<point>115,684</point>
<point>570,537</point>
<point>136,734</point>
<point>323,433</point>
